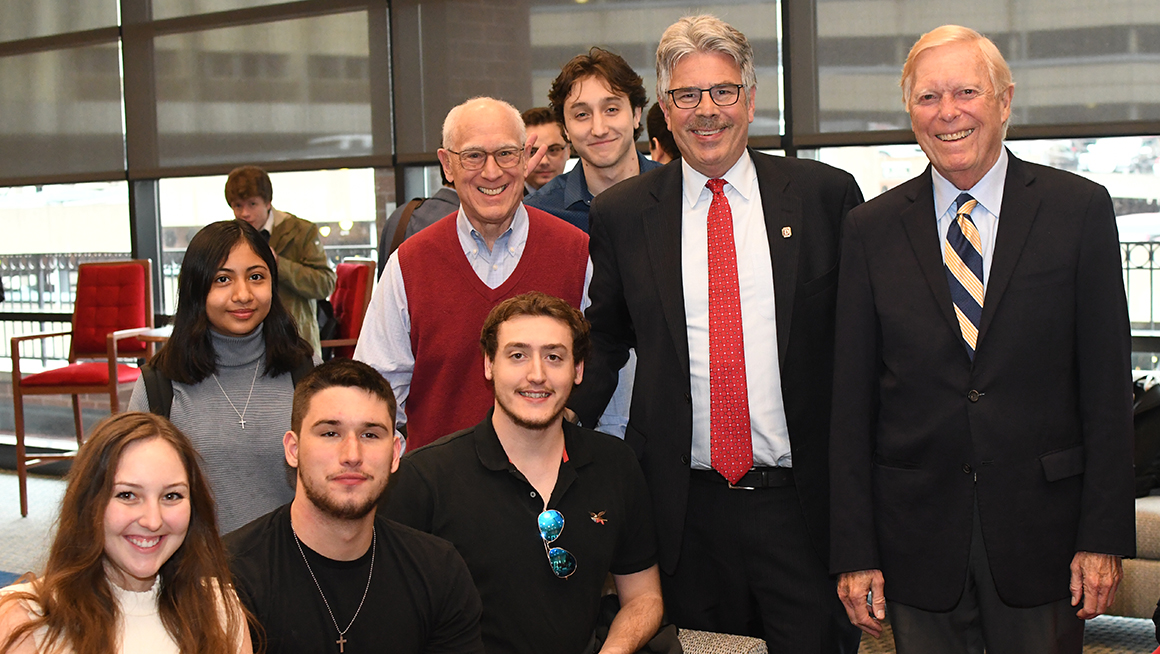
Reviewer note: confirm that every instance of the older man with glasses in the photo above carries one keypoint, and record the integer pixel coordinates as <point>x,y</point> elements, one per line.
<point>542,510</point>
<point>423,321</point>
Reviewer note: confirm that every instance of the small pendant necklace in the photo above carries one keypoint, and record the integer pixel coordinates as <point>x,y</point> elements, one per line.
<point>242,413</point>
<point>341,642</point>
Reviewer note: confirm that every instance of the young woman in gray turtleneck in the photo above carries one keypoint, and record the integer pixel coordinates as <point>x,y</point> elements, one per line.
<point>230,357</point>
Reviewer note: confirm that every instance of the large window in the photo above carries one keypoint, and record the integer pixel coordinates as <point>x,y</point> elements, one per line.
<point>1074,62</point>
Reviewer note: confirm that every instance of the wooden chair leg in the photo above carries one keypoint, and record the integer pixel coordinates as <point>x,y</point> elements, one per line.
<point>21,466</point>
<point>80,427</point>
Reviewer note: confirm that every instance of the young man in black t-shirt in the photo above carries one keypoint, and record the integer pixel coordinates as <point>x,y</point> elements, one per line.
<point>502,490</point>
<point>324,573</point>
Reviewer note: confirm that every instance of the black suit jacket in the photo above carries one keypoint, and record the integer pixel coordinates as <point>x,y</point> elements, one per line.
<point>638,301</point>
<point>1038,428</point>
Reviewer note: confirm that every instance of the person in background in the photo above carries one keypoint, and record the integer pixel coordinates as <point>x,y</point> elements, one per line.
<point>228,369</point>
<point>136,565</point>
<point>721,272</point>
<point>982,448</point>
<point>326,570</point>
<point>424,318</point>
<point>541,122</point>
<point>303,268</point>
<point>424,213</point>
<point>598,98</point>
<point>661,146</point>
<point>483,488</point>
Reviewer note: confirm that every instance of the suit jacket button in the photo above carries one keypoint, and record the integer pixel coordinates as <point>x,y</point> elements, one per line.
<point>688,398</point>
<point>973,395</point>
<point>967,468</point>
<point>685,459</point>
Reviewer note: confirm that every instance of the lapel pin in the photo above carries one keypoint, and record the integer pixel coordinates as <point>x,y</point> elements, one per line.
<point>598,518</point>
<point>786,232</point>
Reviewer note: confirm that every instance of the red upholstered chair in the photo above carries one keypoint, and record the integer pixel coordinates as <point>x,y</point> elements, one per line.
<point>114,302</point>
<point>352,294</point>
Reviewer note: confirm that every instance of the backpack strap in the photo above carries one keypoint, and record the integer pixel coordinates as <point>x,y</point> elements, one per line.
<point>159,389</point>
<point>404,219</point>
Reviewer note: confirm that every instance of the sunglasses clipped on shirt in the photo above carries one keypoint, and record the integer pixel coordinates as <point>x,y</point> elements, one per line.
<point>551,523</point>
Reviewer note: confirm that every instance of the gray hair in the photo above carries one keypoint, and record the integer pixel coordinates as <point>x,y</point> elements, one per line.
<point>451,124</point>
<point>704,33</point>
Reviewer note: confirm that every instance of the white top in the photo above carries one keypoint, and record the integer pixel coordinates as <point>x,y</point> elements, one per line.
<point>758,311</point>
<point>141,630</point>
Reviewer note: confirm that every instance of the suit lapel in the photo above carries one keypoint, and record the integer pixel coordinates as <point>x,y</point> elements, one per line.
<point>922,229</point>
<point>662,227</point>
<point>1020,207</point>
<point>781,210</point>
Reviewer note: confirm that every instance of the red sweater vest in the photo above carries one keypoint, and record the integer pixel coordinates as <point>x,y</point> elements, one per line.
<point>448,304</point>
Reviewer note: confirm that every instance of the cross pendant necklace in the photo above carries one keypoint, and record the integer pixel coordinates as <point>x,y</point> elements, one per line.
<point>341,642</point>
<point>242,413</point>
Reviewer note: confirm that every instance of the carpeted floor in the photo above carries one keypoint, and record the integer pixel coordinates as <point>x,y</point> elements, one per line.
<point>24,546</point>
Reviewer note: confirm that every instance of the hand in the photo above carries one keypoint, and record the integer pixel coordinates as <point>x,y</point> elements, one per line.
<point>534,159</point>
<point>1094,577</point>
<point>861,591</point>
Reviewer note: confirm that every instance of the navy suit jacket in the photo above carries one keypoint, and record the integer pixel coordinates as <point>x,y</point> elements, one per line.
<point>1037,429</point>
<point>638,301</point>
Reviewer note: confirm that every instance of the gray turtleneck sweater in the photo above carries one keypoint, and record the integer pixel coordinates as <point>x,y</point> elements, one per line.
<point>246,468</point>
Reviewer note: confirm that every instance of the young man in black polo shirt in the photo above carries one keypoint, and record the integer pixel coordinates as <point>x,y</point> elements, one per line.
<point>503,490</point>
<point>324,573</point>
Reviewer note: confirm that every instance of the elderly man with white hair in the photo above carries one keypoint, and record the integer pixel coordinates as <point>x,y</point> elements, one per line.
<point>422,326</point>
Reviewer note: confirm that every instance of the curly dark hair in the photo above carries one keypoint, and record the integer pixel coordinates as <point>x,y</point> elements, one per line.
<point>608,66</point>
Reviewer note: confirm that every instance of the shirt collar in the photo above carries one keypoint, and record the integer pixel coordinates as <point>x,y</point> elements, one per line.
<point>514,238</point>
<point>988,191</point>
<point>576,186</point>
<point>269,224</point>
<point>742,177</point>
<point>493,457</point>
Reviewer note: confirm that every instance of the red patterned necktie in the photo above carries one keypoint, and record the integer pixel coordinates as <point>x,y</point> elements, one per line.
<point>730,442</point>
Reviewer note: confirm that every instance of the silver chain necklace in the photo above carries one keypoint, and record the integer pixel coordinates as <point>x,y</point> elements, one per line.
<point>242,413</point>
<point>341,642</point>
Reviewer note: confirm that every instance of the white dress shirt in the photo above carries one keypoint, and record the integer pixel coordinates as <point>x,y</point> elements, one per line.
<point>758,311</point>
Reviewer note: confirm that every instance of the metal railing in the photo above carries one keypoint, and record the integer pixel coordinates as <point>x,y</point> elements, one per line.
<point>39,291</point>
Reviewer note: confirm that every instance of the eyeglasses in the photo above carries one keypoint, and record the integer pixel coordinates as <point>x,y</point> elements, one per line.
<point>724,95</point>
<point>475,159</point>
<point>551,523</point>
<point>553,150</point>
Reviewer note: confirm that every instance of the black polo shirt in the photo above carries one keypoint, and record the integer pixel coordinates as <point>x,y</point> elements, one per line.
<point>463,488</point>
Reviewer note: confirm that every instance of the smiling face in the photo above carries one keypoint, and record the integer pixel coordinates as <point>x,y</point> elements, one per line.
<point>489,196</point>
<point>239,297</point>
<point>600,123</point>
<point>533,371</point>
<point>955,114</point>
<point>710,138</point>
<point>253,210</point>
<point>345,453</point>
<point>148,515</point>
<point>548,135</point>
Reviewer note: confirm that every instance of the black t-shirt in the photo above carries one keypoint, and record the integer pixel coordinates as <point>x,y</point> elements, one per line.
<point>463,488</point>
<point>421,599</point>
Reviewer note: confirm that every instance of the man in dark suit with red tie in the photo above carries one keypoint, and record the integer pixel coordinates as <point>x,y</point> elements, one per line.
<point>982,425</point>
<point>721,272</point>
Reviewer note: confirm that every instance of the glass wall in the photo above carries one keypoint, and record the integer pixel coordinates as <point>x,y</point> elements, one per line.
<point>446,52</point>
<point>340,202</point>
<point>1073,61</point>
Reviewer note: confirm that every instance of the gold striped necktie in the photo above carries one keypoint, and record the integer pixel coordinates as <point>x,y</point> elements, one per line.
<point>964,264</point>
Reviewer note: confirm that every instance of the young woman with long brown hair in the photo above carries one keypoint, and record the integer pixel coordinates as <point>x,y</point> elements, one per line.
<point>137,564</point>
